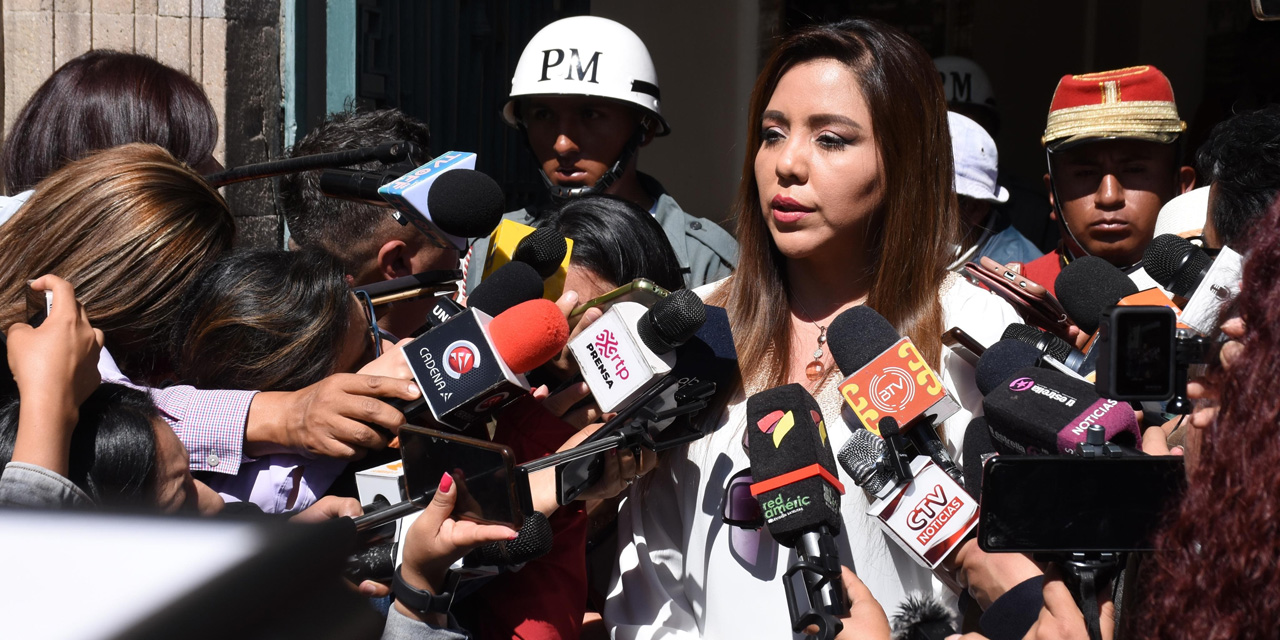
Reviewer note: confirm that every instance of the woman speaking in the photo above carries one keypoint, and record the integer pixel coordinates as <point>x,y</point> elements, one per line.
<point>846,200</point>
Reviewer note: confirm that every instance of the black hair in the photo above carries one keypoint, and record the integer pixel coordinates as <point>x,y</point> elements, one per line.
<point>1242,159</point>
<point>103,99</point>
<point>617,240</point>
<point>342,227</point>
<point>113,447</point>
<point>262,319</point>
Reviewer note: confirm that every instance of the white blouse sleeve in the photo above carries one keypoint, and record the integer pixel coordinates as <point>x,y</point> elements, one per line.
<point>647,596</point>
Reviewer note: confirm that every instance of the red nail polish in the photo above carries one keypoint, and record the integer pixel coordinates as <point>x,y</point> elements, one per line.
<point>514,537</point>
<point>446,483</point>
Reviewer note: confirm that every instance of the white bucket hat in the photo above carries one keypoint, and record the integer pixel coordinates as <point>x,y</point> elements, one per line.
<point>976,160</point>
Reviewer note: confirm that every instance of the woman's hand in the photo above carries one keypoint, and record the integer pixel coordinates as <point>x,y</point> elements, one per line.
<point>61,356</point>
<point>56,368</point>
<point>435,540</point>
<point>563,365</point>
<point>560,403</point>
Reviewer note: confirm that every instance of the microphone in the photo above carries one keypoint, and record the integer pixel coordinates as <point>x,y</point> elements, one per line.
<point>1187,271</point>
<point>445,198</point>
<point>1089,285</point>
<point>923,617</point>
<point>1000,361</point>
<point>390,153</point>
<point>543,249</point>
<point>532,542</point>
<point>1048,344</point>
<point>514,283</point>
<point>472,365</point>
<point>1175,263</point>
<point>927,515</point>
<point>795,480</point>
<point>630,348</point>
<point>1041,411</point>
<point>890,379</point>
<point>978,448</point>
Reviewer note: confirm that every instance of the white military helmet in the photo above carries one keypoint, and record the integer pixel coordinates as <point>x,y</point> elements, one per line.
<point>588,56</point>
<point>965,82</point>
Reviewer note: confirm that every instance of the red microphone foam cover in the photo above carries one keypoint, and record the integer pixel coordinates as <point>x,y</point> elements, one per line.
<point>529,334</point>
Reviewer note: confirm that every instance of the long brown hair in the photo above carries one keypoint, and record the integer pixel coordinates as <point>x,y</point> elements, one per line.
<point>1217,574</point>
<point>912,234</point>
<point>130,227</point>
<point>263,319</point>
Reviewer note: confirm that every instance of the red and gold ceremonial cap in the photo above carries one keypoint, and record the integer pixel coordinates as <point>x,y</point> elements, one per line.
<point>1133,103</point>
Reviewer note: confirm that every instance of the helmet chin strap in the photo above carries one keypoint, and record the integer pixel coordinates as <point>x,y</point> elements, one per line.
<point>560,194</point>
<point>1072,247</point>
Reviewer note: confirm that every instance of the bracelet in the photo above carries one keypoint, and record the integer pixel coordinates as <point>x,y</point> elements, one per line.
<point>425,602</point>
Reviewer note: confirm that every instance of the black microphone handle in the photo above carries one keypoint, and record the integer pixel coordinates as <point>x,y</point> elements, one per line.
<point>818,546</point>
<point>388,153</point>
<point>927,442</point>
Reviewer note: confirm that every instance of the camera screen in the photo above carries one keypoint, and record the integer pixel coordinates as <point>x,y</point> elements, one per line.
<point>1144,354</point>
<point>480,470</point>
<point>1073,504</point>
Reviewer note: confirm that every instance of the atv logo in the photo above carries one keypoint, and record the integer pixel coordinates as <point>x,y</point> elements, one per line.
<point>460,357</point>
<point>892,390</point>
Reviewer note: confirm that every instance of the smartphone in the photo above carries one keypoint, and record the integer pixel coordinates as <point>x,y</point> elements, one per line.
<point>964,345</point>
<point>1071,504</point>
<point>39,304</point>
<point>641,290</point>
<point>488,489</point>
<point>1033,302</point>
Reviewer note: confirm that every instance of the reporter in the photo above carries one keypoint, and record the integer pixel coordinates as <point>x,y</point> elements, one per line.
<point>274,321</point>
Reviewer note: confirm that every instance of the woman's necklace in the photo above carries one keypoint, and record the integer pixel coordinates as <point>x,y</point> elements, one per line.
<point>815,370</point>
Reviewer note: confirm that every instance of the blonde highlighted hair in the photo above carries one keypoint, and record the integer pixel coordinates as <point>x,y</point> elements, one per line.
<point>130,227</point>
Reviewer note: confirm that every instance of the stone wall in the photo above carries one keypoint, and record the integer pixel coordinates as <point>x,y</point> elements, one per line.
<point>41,35</point>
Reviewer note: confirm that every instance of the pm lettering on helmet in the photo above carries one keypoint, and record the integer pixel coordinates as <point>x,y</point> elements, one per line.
<point>575,62</point>
<point>961,86</point>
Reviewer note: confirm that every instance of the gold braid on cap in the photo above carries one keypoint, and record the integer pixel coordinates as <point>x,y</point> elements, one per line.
<point>1154,120</point>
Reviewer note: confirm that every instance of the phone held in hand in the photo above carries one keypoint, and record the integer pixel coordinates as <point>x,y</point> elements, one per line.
<point>641,290</point>
<point>488,489</point>
<point>39,304</point>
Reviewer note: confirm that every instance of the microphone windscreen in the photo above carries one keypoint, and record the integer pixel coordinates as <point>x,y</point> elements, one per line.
<point>1043,411</point>
<point>1000,361</point>
<point>465,203</point>
<point>377,563</point>
<point>533,542</point>
<point>1175,263</point>
<point>529,334</point>
<point>1087,286</point>
<point>977,447</point>
<point>785,434</point>
<point>506,287</point>
<point>857,336</point>
<point>923,617</point>
<point>863,457</point>
<point>543,249</point>
<point>671,321</point>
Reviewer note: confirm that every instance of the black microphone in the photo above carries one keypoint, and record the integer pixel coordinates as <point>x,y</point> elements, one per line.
<point>888,378</point>
<point>1000,361</point>
<point>512,284</point>
<point>978,448</point>
<point>1089,285</point>
<point>533,542</point>
<point>1176,264</point>
<point>392,152</point>
<point>445,198</point>
<point>1048,344</point>
<point>544,250</point>
<point>1041,411</point>
<point>795,480</point>
<point>923,617</point>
